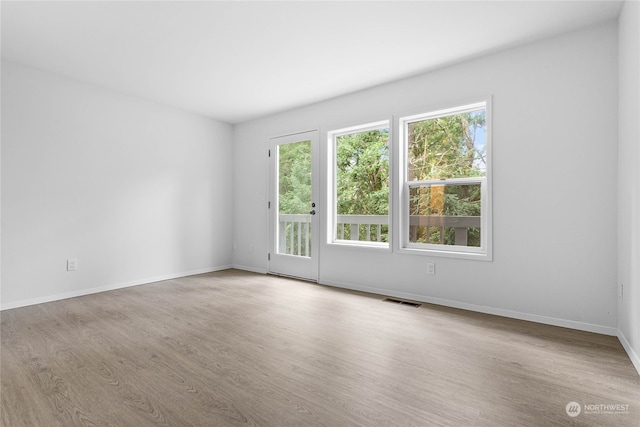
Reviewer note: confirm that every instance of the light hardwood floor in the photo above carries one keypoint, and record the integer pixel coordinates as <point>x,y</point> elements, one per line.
<point>237,348</point>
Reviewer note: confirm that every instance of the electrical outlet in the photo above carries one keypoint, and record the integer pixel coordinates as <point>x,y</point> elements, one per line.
<point>72,264</point>
<point>431,269</point>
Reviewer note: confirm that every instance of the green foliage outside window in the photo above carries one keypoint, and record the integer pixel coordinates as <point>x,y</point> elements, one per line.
<point>362,178</point>
<point>438,148</point>
<point>442,148</point>
<point>294,178</point>
<point>294,191</point>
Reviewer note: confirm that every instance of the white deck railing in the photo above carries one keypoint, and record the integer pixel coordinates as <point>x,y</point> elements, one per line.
<point>461,225</point>
<point>295,229</point>
<point>353,223</point>
<point>295,234</point>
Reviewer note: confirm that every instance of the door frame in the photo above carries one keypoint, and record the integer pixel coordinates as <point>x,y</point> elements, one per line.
<point>306,268</point>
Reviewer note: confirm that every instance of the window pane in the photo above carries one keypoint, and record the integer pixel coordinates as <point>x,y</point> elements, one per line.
<point>447,147</point>
<point>362,186</point>
<point>294,198</point>
<point>445,214</point>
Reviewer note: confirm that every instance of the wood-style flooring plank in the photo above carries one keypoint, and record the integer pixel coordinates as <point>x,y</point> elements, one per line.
<point>235,348</point>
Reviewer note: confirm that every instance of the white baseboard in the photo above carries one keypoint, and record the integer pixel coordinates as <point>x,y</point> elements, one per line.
<point>588,327</point>
<point>571,324</point>
<point>110,287</point>
<point>635,359</point>
<point>251,269</point>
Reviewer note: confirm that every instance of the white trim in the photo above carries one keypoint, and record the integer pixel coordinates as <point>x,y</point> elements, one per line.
<point>375,246</point>
<point>331,181</point>
<point>380,124</point>
<point>251,269</point>
<point>307,267</point>
<point>464,108</point>
<point>448,181</point>
<point>445,252</point>
<point>553,321</point>
<point>635,359</point>
<point>485,252</point>
<point>110,287</point>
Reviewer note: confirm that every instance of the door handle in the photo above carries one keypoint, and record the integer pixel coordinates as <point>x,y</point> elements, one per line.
<point>313,212</point>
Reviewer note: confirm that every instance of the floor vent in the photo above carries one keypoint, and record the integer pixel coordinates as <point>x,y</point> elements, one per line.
<point>401,302</point>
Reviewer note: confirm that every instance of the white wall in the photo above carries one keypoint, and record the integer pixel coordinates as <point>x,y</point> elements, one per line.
<point>555,180</point>
<point>135,191</point>
<point>629,185</point>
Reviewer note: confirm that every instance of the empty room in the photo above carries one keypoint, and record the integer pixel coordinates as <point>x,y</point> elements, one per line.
<point>320,213</point>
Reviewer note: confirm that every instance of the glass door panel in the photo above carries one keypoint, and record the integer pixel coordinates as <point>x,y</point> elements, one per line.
<point>293,211</point>
<point>294,198</point>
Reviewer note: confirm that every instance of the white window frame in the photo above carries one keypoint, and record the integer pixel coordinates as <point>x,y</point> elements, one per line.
<point>332,199</point>
<point>484,252</point>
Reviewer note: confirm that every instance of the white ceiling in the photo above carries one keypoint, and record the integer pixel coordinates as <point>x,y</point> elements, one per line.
<point>236,60</point>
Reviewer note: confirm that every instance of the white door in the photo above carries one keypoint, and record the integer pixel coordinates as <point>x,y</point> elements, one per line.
<point>293,211</point>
